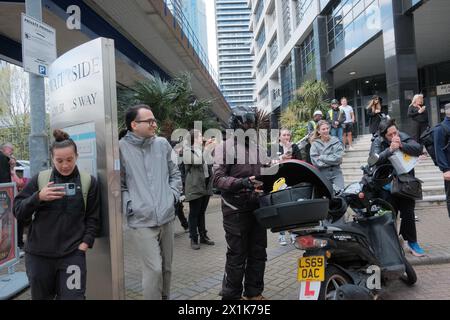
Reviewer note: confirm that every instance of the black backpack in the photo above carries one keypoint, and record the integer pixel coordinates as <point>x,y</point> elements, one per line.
<point>427,139</point>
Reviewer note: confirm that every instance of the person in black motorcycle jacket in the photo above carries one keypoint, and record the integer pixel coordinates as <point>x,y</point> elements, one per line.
<point>246,238</point>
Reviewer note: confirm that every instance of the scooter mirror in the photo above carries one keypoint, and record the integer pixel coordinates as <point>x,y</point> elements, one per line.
<point>373,159</point>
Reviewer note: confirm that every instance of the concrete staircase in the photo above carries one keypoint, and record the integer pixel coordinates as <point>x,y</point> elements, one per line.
<point>433,186</point>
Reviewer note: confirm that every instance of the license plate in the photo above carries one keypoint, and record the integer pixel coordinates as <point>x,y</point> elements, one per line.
<point>311,268</point>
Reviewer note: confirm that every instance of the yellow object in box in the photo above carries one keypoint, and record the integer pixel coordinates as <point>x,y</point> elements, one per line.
<point>280,184</point>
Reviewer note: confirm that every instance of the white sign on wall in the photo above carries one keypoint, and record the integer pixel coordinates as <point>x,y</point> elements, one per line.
<point>38,45</point>
<point>443,89</point>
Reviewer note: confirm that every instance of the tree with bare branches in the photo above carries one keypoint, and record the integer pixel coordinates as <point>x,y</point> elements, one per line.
<point>15,109</point>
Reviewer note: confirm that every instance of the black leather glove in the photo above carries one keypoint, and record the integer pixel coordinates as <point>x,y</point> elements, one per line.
<point>247,184</point>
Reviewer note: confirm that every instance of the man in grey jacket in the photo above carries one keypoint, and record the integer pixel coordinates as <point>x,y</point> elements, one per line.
<point>151,185</point>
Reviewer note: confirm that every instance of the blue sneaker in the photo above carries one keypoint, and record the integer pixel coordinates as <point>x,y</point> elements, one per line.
<point>415,249</point>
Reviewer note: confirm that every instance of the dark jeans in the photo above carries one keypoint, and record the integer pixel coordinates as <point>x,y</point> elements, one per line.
<point>447,193</point>
<point>57,278</point>
<point>246,256</point>
<point>337,132</point>
<point>197,209</point>
<point>406,208</point>
<point>180,214</point>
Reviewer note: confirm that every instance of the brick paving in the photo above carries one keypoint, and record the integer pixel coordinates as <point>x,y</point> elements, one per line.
<point>197,274</point>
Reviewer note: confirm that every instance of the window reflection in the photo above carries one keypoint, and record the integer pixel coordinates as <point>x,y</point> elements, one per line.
<point>352,21</point>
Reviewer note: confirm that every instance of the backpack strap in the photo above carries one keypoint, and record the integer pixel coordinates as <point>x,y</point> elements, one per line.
<point>44,178</point>
<point>85,186</point>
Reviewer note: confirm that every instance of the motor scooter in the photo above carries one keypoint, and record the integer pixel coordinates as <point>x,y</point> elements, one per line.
<point>342,259</point>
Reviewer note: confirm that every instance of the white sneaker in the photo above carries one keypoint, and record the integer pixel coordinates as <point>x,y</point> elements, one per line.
<point>350,148</point>
<point>293,237</point>
<point>282,240</point>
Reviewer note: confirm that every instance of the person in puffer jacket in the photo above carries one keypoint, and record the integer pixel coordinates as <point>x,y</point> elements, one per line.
<point>326,154</point>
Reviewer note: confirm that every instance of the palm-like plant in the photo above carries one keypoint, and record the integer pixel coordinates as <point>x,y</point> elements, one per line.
<point>156,93</point>
<point>309,98</point>
<point>173,103</point>
<point>262,119</point>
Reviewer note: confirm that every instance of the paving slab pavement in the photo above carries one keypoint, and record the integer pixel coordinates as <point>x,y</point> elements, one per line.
<point>197,274</point>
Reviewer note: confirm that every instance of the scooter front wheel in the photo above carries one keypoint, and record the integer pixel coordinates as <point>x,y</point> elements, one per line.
<point>334,278</point>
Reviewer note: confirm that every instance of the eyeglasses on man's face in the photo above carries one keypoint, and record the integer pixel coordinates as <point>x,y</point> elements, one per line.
<point>150,122</point>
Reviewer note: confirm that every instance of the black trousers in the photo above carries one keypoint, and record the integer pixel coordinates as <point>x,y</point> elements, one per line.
<point>419,128</point>
<point>20,229</point>
<point>406,209</point>
<point>180,214</point>
<point>57,278</point>
<point>246,256</point>
<point>447,193</point>
<point>197,210</point>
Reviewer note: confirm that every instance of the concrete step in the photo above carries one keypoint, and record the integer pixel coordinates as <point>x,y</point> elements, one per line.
<point>431,201</point>
<point>420,172</point>
<point>359,153</point>
<point>433,181</point>
<point>419,168</point>
<point>433,187</point>
<point>433,190</point>
<point>363,160</point>
<point>427,181</point>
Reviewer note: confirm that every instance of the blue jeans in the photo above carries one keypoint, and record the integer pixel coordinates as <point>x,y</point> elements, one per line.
<point>337,132</point>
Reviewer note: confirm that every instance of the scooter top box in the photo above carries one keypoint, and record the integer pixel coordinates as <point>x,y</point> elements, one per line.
<point>305,203</point>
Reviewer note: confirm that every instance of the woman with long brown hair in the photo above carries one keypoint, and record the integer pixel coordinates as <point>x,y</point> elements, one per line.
<point>375,113</point>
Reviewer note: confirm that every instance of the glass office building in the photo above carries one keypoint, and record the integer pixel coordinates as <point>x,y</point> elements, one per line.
<point>235,61</point>
<point>394,49</point>
<point>195,12</point>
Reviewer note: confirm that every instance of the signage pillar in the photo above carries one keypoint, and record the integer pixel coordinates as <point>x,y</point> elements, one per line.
<point>83,103</point>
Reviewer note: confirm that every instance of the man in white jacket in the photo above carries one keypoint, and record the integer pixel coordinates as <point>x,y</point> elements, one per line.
<point>151,185</point>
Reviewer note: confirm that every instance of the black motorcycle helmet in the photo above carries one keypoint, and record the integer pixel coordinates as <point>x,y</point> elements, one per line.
<point>382,175</point>
<point>242,118</point>
<point>337,208</point>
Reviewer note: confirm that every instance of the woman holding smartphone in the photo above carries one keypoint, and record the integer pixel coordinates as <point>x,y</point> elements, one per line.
<point>63,226</point>
<point>418,112</point>
<point>198,187</point>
